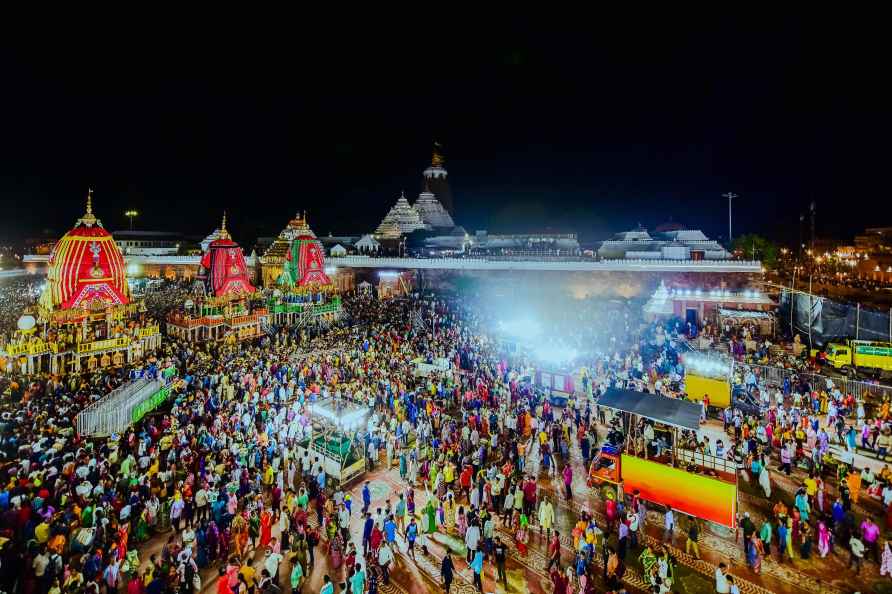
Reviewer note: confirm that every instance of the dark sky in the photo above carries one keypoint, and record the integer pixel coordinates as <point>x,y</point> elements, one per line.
<point>588,125</point>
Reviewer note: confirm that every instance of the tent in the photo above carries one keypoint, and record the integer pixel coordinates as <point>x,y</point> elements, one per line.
<point>670,411</point>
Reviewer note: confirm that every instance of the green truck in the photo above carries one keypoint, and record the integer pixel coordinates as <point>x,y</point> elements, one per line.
<point>857,355</point>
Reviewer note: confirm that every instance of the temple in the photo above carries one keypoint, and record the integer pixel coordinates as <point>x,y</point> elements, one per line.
<point>432,213</point>
<point>401,219</point>
<point>226,307</point>
<point>85,317</point>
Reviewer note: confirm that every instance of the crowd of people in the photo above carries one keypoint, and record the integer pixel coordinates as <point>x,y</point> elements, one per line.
<point>16,293</point>
<point>222,477</point>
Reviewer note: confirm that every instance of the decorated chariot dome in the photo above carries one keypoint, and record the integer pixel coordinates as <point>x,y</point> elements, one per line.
<point>224,270</point>
<point>86,268</point>
<point>305,264</point>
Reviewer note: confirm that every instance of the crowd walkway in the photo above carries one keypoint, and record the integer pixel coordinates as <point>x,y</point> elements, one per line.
<point>527,573</point>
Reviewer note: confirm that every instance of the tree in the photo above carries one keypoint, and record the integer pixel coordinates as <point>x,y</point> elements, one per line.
<point>756,247</point>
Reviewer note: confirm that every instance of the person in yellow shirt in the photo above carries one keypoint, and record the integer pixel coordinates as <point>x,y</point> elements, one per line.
<point>811,487</point>
<point>250,575</point>
<point>449,473</point>
<point>42,532</point>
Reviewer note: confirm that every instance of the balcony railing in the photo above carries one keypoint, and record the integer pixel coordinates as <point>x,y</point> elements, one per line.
<point>147,331</point>
<point>103,345</point>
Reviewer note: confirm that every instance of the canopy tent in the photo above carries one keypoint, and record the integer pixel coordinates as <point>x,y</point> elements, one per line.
<point>670,411</point>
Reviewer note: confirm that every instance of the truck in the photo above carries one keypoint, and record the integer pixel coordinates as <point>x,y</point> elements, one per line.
<point>857,355</point>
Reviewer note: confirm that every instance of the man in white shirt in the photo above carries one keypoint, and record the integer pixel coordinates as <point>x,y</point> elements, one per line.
<point>40,563</point>
<point>472,540</point>
<point>385,558</point>
<point>271,564</point>
<point>668,525</point>
<point>201,504</point>
<point>721,579</point>
<point>887,495</point>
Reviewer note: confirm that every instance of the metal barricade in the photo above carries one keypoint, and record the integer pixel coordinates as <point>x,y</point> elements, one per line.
<point>691,457</point>
<point>113,413</point>
<point>861,390</point>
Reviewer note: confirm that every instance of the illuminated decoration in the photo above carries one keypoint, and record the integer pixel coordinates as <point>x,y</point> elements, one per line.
<point>694,494</point>
<point>86,268</point>
<point>224,269</point>
<point>294,265</point>
<point>229,310</point>
<point>85,318</point>
<point>272,261</point>
<point>305,264</point>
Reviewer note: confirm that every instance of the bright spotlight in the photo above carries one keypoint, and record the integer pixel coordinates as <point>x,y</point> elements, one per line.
<point>388,274</point>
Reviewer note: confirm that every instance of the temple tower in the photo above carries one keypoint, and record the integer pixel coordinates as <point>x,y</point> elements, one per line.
<point>436,180</point>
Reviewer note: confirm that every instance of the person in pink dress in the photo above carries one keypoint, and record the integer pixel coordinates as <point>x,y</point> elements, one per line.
<point>823,539</point>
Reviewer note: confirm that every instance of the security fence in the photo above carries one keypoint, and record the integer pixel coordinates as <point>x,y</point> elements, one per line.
<point>771,374</point>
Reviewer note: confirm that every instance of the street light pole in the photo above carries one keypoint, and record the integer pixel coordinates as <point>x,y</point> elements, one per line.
<point>130,214</point>
<point>730,196</point>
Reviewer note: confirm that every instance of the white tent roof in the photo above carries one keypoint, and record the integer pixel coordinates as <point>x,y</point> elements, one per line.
<point>367,242</point>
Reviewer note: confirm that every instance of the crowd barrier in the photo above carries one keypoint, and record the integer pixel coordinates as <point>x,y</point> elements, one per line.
<point>123,406</point>
<point>771,374</point>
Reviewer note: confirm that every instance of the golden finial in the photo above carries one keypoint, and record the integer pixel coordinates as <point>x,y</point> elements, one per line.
<point>89,219</point>
<point>223,232</point>
<point>437,159</point>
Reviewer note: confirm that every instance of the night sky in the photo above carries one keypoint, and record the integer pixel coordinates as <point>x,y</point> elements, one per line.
<point>586,125</point>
